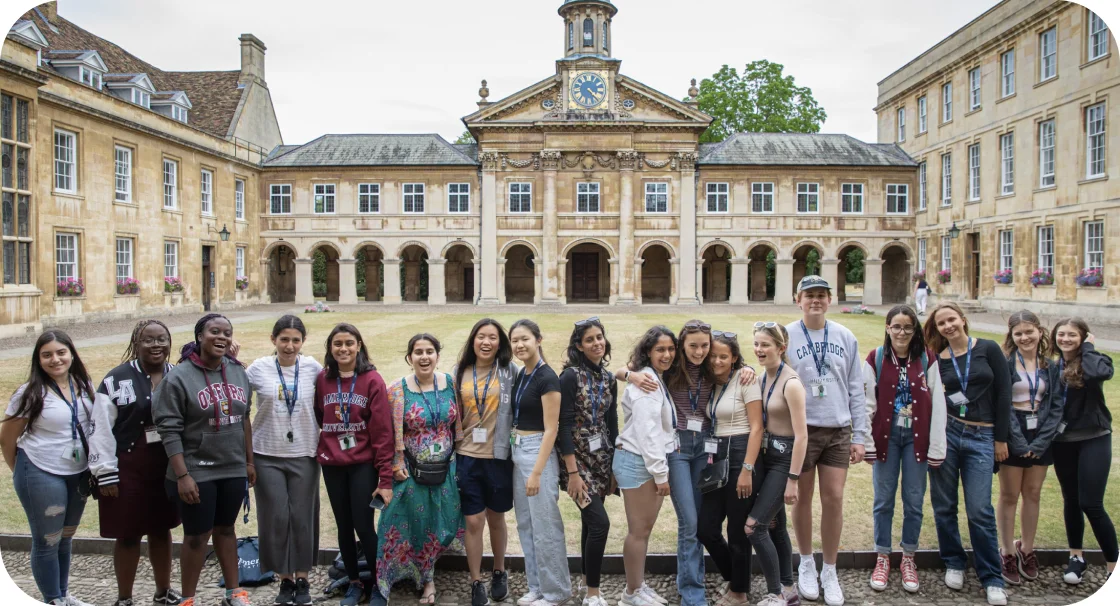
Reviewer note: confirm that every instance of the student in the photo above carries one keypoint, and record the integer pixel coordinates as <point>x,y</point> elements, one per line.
<point>1038,407</point>
<point>921,295</point>
<point>43,438</point>
<point>786,441</point>
<point>906,406</point>
<point>355,449</point>
<point>129,462</point>
<point>640,463</point>
<point>484,378</point>
<point>826,357</point>
<point>735,411</point>
<point>285,439</point>
<point>1083,447</point>
<point>978,401</point>
<point>201,410</point>
<point>424,520</point>
<point>588,430</point>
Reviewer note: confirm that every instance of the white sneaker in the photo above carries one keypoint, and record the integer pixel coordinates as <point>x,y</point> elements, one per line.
<point>595,601</point>
<point>772,600</point>
<point>833,595</point>
<point>651,595</point>
<point>996,596</point>
<point>73,601</point>
<point>954,579</point>
<point>529,598</point>
<point>543,602</point>
<point>807,580</point>
<point>636,599</point>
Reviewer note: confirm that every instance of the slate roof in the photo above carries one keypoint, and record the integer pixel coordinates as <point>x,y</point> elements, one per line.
<point>801,149</point>
<point>372,150</point>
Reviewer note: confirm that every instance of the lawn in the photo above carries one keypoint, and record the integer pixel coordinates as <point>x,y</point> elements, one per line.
<point>387,336</point>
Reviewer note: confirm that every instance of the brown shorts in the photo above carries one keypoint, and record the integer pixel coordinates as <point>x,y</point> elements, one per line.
<point>828,446</point>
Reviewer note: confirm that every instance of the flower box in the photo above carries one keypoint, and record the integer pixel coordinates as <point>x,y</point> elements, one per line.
<point>1004,291</point>
<point>1041,277</point>
<point>1005,276</point>
<point>1091,277</point>
<point>127,303</point>
<point>944,276</point>
<point>70,287</point>
<point>318,308</point>
<point>242,283</point>
<point>1093,295</point>
<point>128,286</point>
<point>173,299</point>
<point>173,285</point>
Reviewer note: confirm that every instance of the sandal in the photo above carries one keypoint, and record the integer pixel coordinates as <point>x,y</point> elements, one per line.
<point>429,599</point>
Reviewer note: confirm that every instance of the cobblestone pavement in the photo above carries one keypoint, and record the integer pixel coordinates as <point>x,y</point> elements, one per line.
<point>91,580</point>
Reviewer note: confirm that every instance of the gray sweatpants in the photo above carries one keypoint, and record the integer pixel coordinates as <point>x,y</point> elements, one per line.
<point>287,494</point>
<point>539,525</point>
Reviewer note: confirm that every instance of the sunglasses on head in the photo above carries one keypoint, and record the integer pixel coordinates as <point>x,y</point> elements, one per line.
<point>591,320</point>
<point>720,333</point>
<point>703,326</point>
<point>758,325</point>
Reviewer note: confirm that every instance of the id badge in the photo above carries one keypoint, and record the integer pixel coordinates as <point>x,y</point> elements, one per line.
<point>347,441</point>
<point>695,425</point>
<point>75,455</point>
<point>515,439</point>
<point>711,446</point>
<point>478,435</point>
<point>819,390</point>
<point>151,435</point>
<point>904,421</point>
<point>958,399</point>
<point>1032,422</point>
<point>676,441</point>
<point>1062,427</point>
<point>435,448</point>
<point>595,443</point>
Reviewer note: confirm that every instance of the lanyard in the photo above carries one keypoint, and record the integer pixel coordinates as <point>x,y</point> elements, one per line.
<point>766,403</point>
<point>72,404</point>
<point>433,412</point>
<point>521,387</point>
<point>713,402</point>
<point>902,399</point>
<point>291,396</point>
<point>967,367</point>
<point>695,400</point>
<point>344,400</point>
<point>597,401</point>
<point>1032,386</point>
<point>223,393</point>
<point>480,404</point>
<point>821,362</point>
<point>1061,375</point>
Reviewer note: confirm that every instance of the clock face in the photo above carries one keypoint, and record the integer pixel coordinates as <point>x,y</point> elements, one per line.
<point>588,89</point>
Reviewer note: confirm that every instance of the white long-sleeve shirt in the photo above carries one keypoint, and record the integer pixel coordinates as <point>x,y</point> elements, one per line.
<point>649,430</point>
<point>843,403</point>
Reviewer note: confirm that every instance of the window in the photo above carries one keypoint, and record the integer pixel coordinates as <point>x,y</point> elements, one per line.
<point>1007,70</point>
<point>324,199</point>
<point>239,199</point>
<point>606,46</point>
<point>974,88</point>
<point>369,197</point>
<point>922,254</point>
<point>459,197</point>
<point>6,116</point>
<point>141,98</point>
<point>1098,37</point>
<point>588,32</point>
<point>1007,163</point>
<point>762,197</point>
<point>898,198</point>
<point>946,179</point>
<point>946,253</point>
<point>65,164</point>
<point>239,261</point>
<point>414,198</point>
<point>1094,138</point>
<point>1048,55</point>
<point>1046,248</point>
<point>66,256</point>
<point>520,197</point>
<point>1094,245</point>
<point>179,113</point>
<point>922,186</point>
<point>901,124</point>
<point>206,191</point>
<point>1046,153</point>
<point>123,175</point>
<point>808,197</point>
<point>587,197</point>
<point>22,133</point>
<point>280,199</point>
<point>6,156</point>
<point>657,197</point>
<point>124,258</point>
<point>974,172</point>
<point>571,35</point>
<point>170,259</point>
<point>717,197</point>
<point>851,198</point>
<point>170,184</point>
<point>922,114</point>
<point>16,237</point>
<point>946,101</point>
<point>1006,250</point>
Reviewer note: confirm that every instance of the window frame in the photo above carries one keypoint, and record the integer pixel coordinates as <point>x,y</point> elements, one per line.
<point>946,102</point>
<point>900,119</point>
<point>524,194</point>
<point>171,253</point>
<point>1006,249</point>
<point>417,195</point>
<point>71,163</point>
<point>816,193</point>
<point>1100,136</point>
<point>1007,164</point>
<point>275,197</point>
<point>975,89</point>
<point>1048,60</point>
<point>1088,238</point>
<point>1097,38</point>
<point>122,195</point>
<point>947,179</point>
<point>923,114</point>
<point>1045,254</point>
<point>458,198</point>
<point>206,192</point>
<point>239,199</point>
<point>129,253</point>
<point>848,206</point>
<point>656,194</point>
<point>766,196</point>
<point>75,262</point>
<point>946,253</point>
<point>371,198</point>
<point>239,262</point>
<point>1046,153</point>
<point>901,196</point>
<point>923,185</point>
<point>974,190</point>
<point>714,197</point>
<point>1007,73</point>
<point>923,254</point>
<point>326,198</point>
<point>585,197</point>
<point>170,190</point>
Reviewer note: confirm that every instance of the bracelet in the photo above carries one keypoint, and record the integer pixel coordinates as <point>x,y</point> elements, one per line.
<point>250,465</point>
<point>572,473</point>
<point>626,377</point>
<point>183,476</point>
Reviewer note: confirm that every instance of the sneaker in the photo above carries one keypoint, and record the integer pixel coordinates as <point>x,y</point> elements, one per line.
<point>478,594</point>
<point>1028,562</point>
<point>882,573</point>
<point>833,595</point>
<point>652,595</point>
<point>909,573</point>
<point>187,602</point>
<point>595,601</point>
<point>240,597</point>
<point>638,598</point>
<point>1009,566</point>
<point>353,595</point>
<point>169,597</point>
<point>529,598</point>
<point>791,597</point>
<point>1074,570</point>
<point>544,602</point>
<point>303,593</point>
<point>499,585</point>
<point>124,602</point>
<point>70,600</point>
<point>807,580</point>
<point>772,600</point>
<point>287,595</point>
<point>996,596</point>
<point>954,579</point>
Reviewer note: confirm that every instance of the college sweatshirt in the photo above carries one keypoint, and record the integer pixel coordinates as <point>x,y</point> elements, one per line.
<point>844,403</point>
<point>371,423</point>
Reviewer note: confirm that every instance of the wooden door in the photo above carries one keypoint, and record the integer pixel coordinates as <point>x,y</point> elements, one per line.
<point>207,277</point>
<point>585,277</point>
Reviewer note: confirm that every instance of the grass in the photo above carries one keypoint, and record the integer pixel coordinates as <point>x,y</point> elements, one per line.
<point>387,334</point>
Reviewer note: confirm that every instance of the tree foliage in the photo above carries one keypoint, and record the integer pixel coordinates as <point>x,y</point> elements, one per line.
<point>465,138</point>
<point>854,273</point>
<point>760,100</point>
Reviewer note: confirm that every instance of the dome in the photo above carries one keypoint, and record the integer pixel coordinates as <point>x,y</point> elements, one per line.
<point>604,3</point>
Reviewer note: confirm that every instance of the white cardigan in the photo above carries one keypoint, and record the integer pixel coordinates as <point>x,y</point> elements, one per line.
<point>649,430</point>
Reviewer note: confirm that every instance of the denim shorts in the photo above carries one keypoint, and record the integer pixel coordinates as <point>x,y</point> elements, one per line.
<point>630,470</point>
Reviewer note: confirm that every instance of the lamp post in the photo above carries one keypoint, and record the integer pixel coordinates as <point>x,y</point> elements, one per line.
<point>224,234</point>
<point>954,231</point>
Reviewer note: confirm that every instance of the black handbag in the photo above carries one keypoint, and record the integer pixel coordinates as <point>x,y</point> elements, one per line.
<point>427,474</point>
<point>714,475</point>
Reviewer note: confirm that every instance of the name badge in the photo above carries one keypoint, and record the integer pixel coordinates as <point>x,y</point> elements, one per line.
<point>75,455</point>
<point>695,425</point>
<point>515,439</point>
<point>904,421</point>
<point>595,443</point>
<point>711,446</point>
<point>958,399</point>
<point>1062,427</point>
<point>676,441</point>
<point>819,390</point>
<point>151,435</point>
<point>1032,422</point>
<point>347,441</point>
<point>478,435</point>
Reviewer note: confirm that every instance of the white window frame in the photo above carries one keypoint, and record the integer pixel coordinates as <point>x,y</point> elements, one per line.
<point>170,259</point>
<point>851,198</point>
<point>1048,54</point>
<point>946,253</point>
<point>413,198</point>
<point>327,192</point>
<point>1045,238</point>
<point>812,193</point>
<point>369,198</point>
<point>947,102</point>
<point>239,199</point>
<point>125,258</point>
<point>170,188</point>
<point>1046,147</point>
<point>1094,245</point>
<point>66,256</point>
<point>657,197</point>
<point>65,161</point>
<point>280,194</point>
<point>923,111</point>
<point>1007,163</point>
<point>922,254</point>
<point>923,186</point>
<point>179,113</point>
<point>588,200</point>
<point>901,124</point>
<point>1098,37</point>
<point>1095,132</point>
<point>206,192</point>
<point>523,193</point>
<point>122,174</point>
<point>974,89</point>
<point>947,179</point>
<point>762,197</point>
<point>899,195</point>
<point>1006,249</point>
<point>1007,73</point>
<point>974,172</point>
<point>239,262</point>
<point>718,195</point>
<point>460,193</point>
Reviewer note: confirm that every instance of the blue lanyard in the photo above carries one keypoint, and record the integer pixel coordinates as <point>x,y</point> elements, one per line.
<point>480,404</point>
<point>967,367</point>
<point>291,396</point>
<point>597,401</point>
<point>1061,375</point>
<point>766,404</point>
<point>1031,386</point>
<point>695,400</point>
<point>72,404</point>
<point>521,387</point>
<point>433,412</point>
<point>713,401</point>
<point>819,361</point>
<point>344,400</point>
<point>902,398</point>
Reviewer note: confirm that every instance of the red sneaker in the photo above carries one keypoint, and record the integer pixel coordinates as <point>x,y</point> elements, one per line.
<point>1028,562</point>
<point>909,574</point>
<point>881,575</point>
<point>1011,569</point>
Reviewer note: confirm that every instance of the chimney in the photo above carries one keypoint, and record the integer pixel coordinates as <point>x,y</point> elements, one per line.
<point>252,59</point>
<point>49,10</point>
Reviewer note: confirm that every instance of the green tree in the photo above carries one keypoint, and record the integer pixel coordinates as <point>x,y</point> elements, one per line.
<point>771,273</point>
<point>319,274</point>
<point>761,100</point>
<point>854,274</point>
<point>465,138</point>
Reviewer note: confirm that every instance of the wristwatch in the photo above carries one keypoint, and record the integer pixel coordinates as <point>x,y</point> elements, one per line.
<point>793,476</point>
<point>748,467</point>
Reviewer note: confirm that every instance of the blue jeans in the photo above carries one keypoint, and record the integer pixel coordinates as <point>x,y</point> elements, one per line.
<point>970,454</point>
<point>900,456</point>
<point>539,525</point>
<point>685,467</point>
<point>51,503</point>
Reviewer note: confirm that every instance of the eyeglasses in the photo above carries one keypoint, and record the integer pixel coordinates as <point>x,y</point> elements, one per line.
<point>156,341</point>
<point>703,326</point>
<point>906,330</point>
<point>720,333</point>
<point>591,320</point>
<point>758,325</point>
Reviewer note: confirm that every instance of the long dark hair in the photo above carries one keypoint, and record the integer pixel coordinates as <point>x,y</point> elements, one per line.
<point>467,357</point>
<point>732,343</point>
<point>363,364</point>
<point>195,347</point>
<point>1044,342</point>
<point>38,381</point>
<point>573,357</point>
<point>640,356</point>
<point>133,351</point>
<point>533,328</point>
<point>917,340</point>
<point>1072,375</point>
<point>679,378</point>
<point>416,339</point>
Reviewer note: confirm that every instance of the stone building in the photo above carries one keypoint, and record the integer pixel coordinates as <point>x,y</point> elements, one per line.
<point>1010,119</point>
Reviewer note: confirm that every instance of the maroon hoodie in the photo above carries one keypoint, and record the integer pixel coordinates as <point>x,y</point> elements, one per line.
<point>371,422</point>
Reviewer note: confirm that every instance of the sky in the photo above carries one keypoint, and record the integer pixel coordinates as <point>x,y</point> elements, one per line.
<point>377,66</point>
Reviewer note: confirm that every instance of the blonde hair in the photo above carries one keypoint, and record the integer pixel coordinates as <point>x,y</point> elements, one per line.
<point>780,336</point>
<point>934,340</point>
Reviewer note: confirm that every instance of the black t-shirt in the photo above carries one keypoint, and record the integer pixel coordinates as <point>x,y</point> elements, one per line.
<point>989,386</point>
<point>528,412</point>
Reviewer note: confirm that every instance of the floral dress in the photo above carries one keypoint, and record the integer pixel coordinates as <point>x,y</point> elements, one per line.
<point>591,384</point>
<point>421,522</point>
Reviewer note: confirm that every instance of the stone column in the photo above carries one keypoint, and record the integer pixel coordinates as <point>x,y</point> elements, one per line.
<point>548,288</point>
<point>698,275</point>
<point>738,294</point>
<point>266,276</point>
<point>304,293</point>
<point>614,271</point>
<point>489,231</point>
<point>830,270</point>
<point>562,280</point>
<point>674,287</point>
<point>537,279</point>
<point>502,282</point>
<point>477,283</point>
<point>638,279</point>
<point>347,282</point>
<point>687,295</point>
<point>373,279</point>
<point>624,283</point>
<point>873,282</point>
<point>437,282</point>
<point>392,281</point>
<point>783,281</point>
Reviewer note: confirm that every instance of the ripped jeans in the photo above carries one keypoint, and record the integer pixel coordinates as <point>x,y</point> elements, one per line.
<point>51,503</point>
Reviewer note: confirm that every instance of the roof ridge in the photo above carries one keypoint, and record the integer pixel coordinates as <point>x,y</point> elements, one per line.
<point>451,146</point>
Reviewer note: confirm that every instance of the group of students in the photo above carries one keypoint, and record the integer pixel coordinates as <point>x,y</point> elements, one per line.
<point>443,456</point>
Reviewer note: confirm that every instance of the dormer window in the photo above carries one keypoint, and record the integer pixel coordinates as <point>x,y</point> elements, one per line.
<point>141,98</point>
<point>179,113</point>
<point>588,32</point>
<point>90,77</point>
<point>173,104</point>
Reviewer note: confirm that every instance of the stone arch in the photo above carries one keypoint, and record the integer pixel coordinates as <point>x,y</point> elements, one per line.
<point>520,275</point>
<point>414,257</point>
<point>760,276</point>
<point>792,250</point>
<point>715,272</point>
<point>587,271</point>
<point>327,244</point>
<point>767,243</point>
<point>328,288</point>
<point>525,243</point>
<point>266,252</point>
<point>368,244</point>
<point>458,272</point>
<point>844,246</point>
<point>406,245</point>
<point>840,289</point>
<point>896,273</point>
<point>723,243</point>
<point>800,253</point>
<point>900,244</point>
<point>281,258</point>
<point>454,243</point>
<point>581,241</point>
<point>656,280</point>
<point>370,270</point>
<point>648,243</point>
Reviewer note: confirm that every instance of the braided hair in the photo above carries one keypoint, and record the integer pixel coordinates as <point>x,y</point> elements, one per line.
<point>133,351</point>
<point>196,345</point>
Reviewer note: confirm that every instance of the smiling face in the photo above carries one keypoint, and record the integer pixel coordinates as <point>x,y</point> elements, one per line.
<point>55,359</point>
<point>662,354</point>
<point>949,323</point>
<point>288,344</point>
<point>767,351</point>
<point>593,344</point>
<point>153,346</point>
<point>721,359</point>
<point>1068,338</point>
<point>1026,336</point>
<point>814,302</point>
<point>216,337</point>
<point>696,346</point>
<point>423,358</point>
<point>486,342</point>
<point>901,331</point>
<point>525,344</point>
<point>344,349</point>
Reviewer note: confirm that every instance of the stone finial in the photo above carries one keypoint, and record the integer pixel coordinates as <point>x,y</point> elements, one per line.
<point>485,92</point>
<point>693,92</point>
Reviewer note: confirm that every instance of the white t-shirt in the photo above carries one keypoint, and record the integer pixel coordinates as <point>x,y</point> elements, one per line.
<point>272,423</point>
<point>50,444</point>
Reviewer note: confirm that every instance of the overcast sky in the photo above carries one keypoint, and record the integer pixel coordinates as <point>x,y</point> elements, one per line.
<point>342,66</point>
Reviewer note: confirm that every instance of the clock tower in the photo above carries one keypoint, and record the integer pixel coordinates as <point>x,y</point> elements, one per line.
<point>587,71</point>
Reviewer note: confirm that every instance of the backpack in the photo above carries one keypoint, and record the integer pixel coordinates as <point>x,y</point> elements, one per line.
<point>249,573</point>
<point>879,352</point>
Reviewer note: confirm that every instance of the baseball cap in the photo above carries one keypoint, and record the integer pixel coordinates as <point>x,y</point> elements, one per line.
<point>809,282</point>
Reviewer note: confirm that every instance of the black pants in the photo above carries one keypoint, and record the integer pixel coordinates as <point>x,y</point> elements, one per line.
<point>733,554</point>
<point>1082,469</point>
<point>775,552</point>
<point>593,539</point>
<point>350,489</point>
